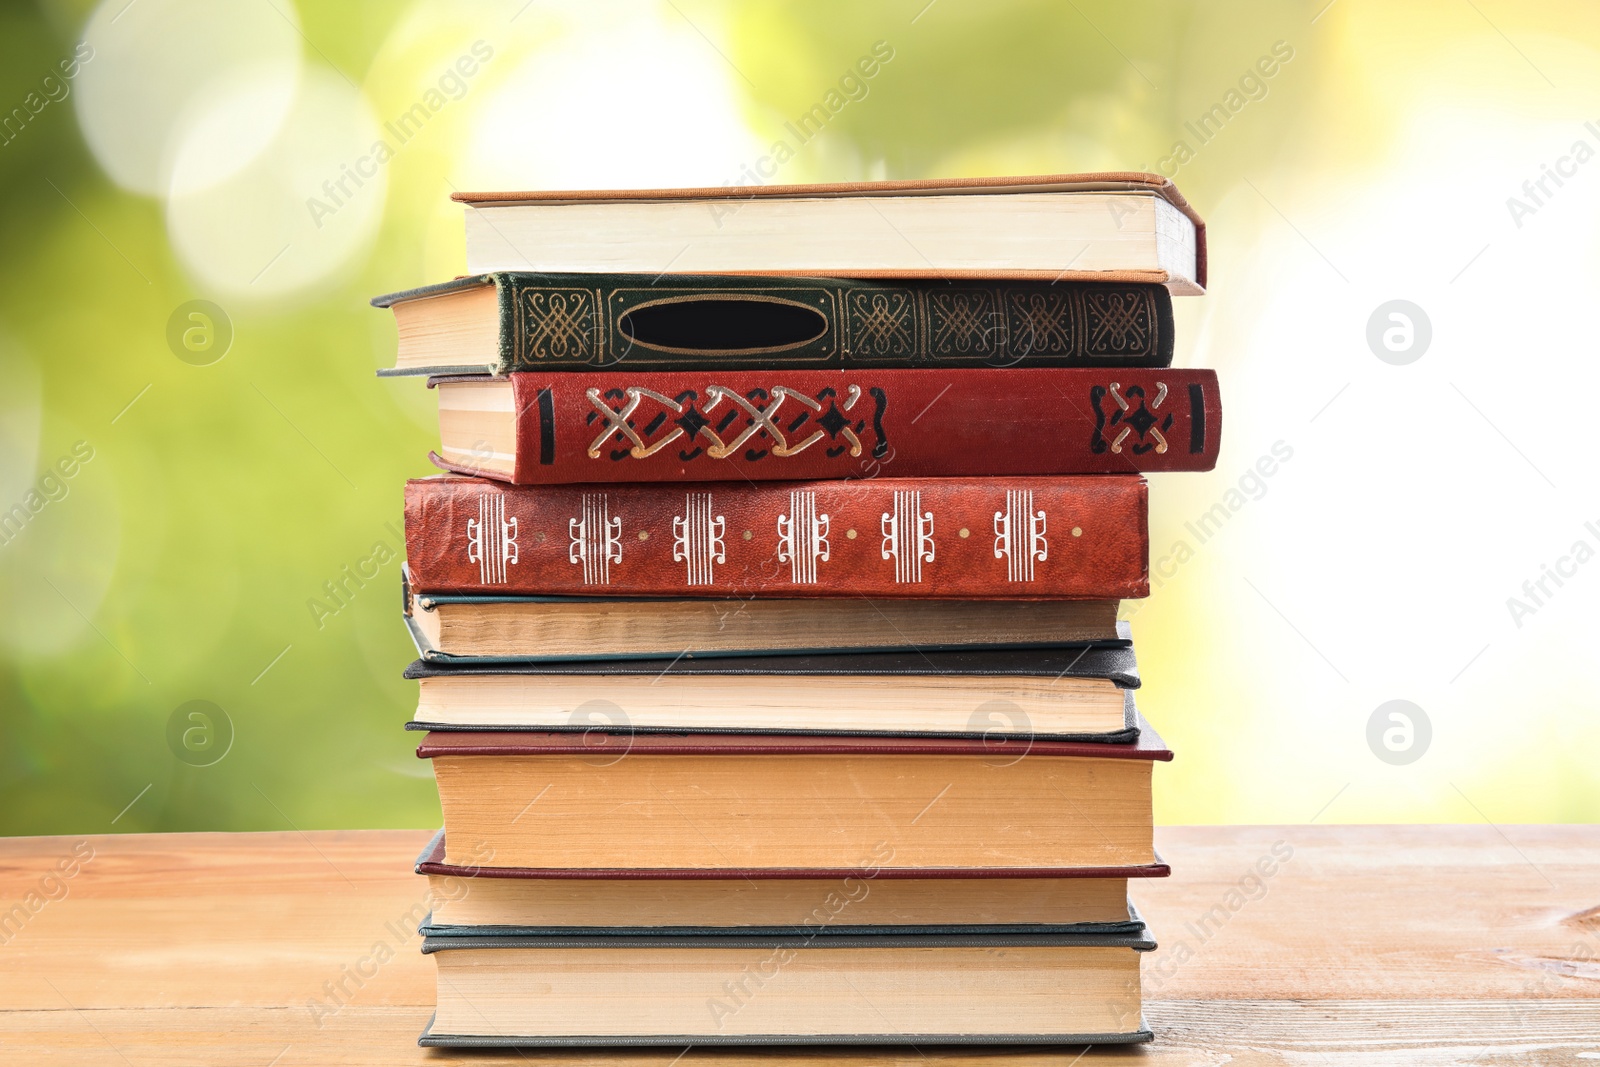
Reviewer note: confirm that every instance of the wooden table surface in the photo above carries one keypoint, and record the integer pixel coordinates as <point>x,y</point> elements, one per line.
<point>1367,945</point>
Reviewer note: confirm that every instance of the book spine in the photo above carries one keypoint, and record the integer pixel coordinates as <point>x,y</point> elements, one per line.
<point>510,340</point>
<point>994,538</point>
<point>625,427</point>
<point>586,322</point>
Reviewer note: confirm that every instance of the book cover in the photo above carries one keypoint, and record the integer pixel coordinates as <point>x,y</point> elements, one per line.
<point>493,244</point>
<point>485,901</point>
<point>636,426</point>
<point>1139,940</point>
<point>1000,538</point>
<point>1007,726</point>
<point>645,322</point>
<point>840,989</point>
<point>783,801</point>
<point>508,628</point>
<point>432,861</point>
<point>1147,746</point>
<point>460,935</point>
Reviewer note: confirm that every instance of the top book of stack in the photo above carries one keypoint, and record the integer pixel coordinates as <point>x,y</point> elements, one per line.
<point>1108,227</point>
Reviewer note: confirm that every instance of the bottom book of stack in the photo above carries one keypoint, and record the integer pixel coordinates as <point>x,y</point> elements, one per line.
<point>722,986</point>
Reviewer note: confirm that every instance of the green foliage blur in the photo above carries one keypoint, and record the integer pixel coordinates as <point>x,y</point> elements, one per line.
<point>179,561</point>
<point>226,530</point>
<point>176,563</point>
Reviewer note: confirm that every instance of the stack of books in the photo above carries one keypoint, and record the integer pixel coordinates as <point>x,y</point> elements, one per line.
<point>770,665</point>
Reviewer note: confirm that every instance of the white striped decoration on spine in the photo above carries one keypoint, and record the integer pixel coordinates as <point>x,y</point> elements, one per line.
<point>908,536</point>
<point>697,539</point>
<point>1019,535</point>
<point>803,537</point>
<point>596,539</point>
<point>492,539</point>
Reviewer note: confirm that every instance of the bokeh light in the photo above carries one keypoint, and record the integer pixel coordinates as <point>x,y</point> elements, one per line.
<point>163,70</point>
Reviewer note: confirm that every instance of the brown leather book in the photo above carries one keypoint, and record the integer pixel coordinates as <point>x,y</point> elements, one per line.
<point>1071,538</point>
<point>734,424</point>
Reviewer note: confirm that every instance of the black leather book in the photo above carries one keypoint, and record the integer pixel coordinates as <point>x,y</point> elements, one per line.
<point>517,321</point>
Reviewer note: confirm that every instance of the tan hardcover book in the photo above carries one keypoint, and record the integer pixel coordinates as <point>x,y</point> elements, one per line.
<point>717,989</point>
<point>815,902</point>
<point>685,802</point>
<point>1117,226</point>
<point>1061,693</point>
<point>553,628</point>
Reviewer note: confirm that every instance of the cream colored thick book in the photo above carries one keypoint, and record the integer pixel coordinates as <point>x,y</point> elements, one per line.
<point>730,990</point>
<point>1121,226</point>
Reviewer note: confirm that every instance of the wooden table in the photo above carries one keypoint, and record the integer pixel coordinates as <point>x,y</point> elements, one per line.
<point>1368,945</point>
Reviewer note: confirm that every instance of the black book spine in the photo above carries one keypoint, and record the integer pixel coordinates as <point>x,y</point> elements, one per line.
<point>711,322</point>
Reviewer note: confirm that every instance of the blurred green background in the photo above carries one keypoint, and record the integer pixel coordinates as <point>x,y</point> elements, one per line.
<point>186,485</point>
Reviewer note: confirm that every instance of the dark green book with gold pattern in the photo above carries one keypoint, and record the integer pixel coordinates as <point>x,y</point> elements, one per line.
<point>499,323</point>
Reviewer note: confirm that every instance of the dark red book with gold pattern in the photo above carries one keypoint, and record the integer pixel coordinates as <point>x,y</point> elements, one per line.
<point>1079,538</point>
<point>641,426</point>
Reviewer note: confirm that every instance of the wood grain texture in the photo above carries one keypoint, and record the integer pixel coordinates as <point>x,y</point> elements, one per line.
<point>1365,945</point>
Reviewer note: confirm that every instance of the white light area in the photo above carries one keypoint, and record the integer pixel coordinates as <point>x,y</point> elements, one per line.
<point>611,104</point>
<point>230,127</point>
<point>1415,499</point>
<point>162,69</point>
<point>276,227</point>
<point>1393,538</point>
